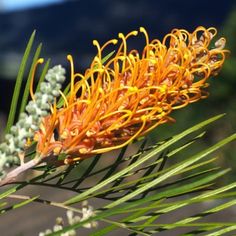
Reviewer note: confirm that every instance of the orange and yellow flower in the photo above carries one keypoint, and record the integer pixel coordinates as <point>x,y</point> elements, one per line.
<point>115,102</point>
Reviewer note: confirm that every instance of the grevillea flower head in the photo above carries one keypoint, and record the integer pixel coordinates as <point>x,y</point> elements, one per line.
<point>115,102</point>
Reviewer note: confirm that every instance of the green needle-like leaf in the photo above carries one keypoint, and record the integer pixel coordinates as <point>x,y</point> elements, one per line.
<point>178,168</point>
<point>19,79</point>
<point>222,231</point>
<point>18,205</point>
<point>176,138</point>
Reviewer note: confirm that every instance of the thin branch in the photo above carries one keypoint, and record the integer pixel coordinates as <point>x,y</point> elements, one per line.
<point>12,175</point>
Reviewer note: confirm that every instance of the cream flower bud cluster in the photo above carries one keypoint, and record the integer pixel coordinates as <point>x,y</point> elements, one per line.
<point>86,212</point>
<point>29,121</point>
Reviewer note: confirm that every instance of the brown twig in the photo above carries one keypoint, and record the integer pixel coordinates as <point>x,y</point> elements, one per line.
<point>11,176</point>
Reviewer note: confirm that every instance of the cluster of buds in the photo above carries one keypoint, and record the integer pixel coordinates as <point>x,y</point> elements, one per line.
<point>115,102</point>
<point>13,149</point>
<point>86,212</point>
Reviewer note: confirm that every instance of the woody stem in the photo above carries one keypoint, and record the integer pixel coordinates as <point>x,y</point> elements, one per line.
<point>12,175</point>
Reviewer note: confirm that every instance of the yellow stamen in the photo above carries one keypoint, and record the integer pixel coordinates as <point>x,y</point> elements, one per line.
<point>64,98</point>
<point>96,44</point>
<point>115,102</point>
<point>39,61</point>
<point>70,59</point>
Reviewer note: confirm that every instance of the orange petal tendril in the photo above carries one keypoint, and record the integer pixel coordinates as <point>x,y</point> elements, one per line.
<point>115,102</point>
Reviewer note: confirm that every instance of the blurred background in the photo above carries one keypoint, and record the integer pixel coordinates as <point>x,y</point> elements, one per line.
<point>70,26</point>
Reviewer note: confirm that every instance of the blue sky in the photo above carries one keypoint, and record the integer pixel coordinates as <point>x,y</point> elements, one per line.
<point>11,5</point>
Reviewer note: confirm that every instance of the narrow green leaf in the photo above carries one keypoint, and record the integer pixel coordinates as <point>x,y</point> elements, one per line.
<point>136,214</point>
<point>108,56</point>
<point>116,164</point>
<point>2,204</point>
<point>133,158</point>
<point>8,192</point>
<point>176,138</point>
<point>88,170</point>
<point>64,174</point>
<point>200,215</point>
<point>200,224</point>
<point>18,205</point>
<point>170,192</point>
<point>155,175</point>
<point>129,183</point>
<point>23,184</point>
<point>15,98</point>
<point>122,226</point>
<point>167,193</point>
<point>179,167</point>
<point>222,231</point>
<point>202,196</point>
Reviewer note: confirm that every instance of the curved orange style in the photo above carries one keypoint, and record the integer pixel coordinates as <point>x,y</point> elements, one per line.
<point>114,102</point>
